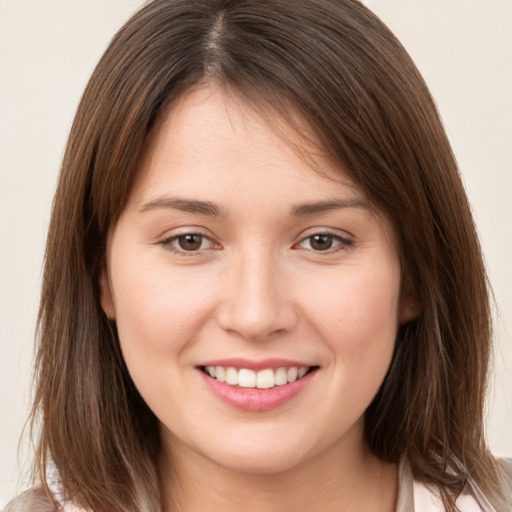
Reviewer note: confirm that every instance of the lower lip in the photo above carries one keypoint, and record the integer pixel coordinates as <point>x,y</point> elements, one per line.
<point>253,399</point>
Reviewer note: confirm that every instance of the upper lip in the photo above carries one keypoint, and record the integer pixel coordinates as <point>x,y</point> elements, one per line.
<point>256,365</point>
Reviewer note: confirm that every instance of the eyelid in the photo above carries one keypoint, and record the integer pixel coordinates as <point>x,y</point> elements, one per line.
<point>345,242</point>
<point>167,243</point>
<point>342,242</point>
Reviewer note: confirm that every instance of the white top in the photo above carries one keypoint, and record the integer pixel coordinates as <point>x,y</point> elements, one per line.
<point>425,500</point>
<point>415,496</point>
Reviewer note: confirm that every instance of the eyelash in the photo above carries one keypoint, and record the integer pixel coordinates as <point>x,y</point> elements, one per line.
<point>168,244</point>
<point>341,243</point>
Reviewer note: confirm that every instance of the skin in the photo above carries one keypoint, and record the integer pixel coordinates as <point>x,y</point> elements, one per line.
<point>256,288</point>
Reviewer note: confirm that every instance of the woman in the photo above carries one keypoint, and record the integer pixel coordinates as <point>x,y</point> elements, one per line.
<point>262,282</point>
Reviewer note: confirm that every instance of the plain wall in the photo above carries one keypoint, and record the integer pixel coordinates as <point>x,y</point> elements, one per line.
<point>49,49</point>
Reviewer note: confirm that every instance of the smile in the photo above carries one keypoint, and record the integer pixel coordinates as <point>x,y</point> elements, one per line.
<point>266,378</point>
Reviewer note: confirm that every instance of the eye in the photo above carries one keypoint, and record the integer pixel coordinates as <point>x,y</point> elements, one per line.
<point>189,242</point>
<point>323,242</point>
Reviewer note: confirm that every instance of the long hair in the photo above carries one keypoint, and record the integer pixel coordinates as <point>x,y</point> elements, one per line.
<point>335,64</point>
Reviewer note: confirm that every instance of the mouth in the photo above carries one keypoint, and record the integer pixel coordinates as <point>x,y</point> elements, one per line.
<point>256,386</point>
<point>266,378</point>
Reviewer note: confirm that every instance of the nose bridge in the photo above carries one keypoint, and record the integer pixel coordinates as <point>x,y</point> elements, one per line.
<point>257,304</point>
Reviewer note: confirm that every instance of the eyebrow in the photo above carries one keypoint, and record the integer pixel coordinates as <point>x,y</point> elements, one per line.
<point>185,205</point>
<point>212,210</point>
<point>303,210</point>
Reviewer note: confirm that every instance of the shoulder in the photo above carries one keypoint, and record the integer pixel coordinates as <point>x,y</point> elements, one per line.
<point>505,465</point>
<point>427,498</point>
<point>416,496</point>
<point>44,499</point>
<point>32,500</point>
<point>37,500</point>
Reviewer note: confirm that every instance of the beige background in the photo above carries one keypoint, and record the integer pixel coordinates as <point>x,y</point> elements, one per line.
<point>47,52</point>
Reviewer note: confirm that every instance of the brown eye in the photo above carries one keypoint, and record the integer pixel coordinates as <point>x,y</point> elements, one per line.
<point>190,242</point>
<point>321,242</point>
<point>325,242</point>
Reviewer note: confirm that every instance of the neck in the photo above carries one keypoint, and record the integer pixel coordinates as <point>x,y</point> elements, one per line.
<point>331,481</point>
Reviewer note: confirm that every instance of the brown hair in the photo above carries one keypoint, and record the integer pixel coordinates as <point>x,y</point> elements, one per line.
<point>362,96</point>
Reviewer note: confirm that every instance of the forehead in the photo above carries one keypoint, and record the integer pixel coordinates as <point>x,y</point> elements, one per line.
<point>210,141</point>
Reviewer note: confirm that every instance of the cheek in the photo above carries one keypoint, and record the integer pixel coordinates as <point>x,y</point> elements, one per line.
<point>356,313</point>
<point>357,301</point>
<point>158,309</point>
<point>159,315</point>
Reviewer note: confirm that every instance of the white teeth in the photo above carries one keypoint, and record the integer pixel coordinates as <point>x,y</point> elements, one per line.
<point>232,376</point>
<point>292,374</point>
<point>263,379</point>
<point>220,374</point>
<point>246,378</point>
<point>281,377</point>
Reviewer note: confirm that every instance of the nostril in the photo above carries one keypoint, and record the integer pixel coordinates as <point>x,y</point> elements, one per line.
<point>254,319</point>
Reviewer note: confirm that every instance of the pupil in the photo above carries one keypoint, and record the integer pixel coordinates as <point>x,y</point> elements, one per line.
<point>321,242</point>
<point>190,242</point>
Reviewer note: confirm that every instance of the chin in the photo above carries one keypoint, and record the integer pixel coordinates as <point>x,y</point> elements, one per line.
<point>260,459</point>
<point>258,463</point>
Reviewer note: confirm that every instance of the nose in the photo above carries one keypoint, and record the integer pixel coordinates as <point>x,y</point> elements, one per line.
<point>256,303</point>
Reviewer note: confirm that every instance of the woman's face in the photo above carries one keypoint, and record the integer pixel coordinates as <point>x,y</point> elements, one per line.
<point>233,254</point>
